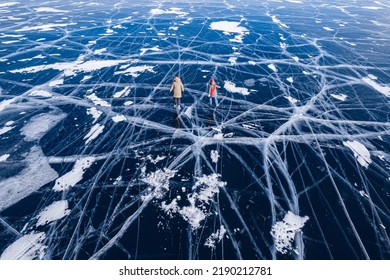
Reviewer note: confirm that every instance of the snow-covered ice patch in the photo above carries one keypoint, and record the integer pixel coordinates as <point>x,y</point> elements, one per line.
<point>215,237</point>
<point>372,8</point>
<point>284,231</point>
<point>341,97</point>
<point>290,79</point>
<point>170,11</point>
<point>128,103</point>
<point>4,158</point>
<point>279,22</point>
<point>360,152</point>
<point>291,99</point>
<point>28,247</point>
<point>98,101</point>
<point>5,129</point>
<point>385,90</point>
<point>155,49</point>
<point>231,87</point>
<point>95,113</point>
<point>8,4</point>
<point>56,82</point>
<point>135,71</point>
<point>37,173</point>
<point>95,131</point>
<point>53,212</point>
<point>159,182</point>
<point>122,93</point>
<point>41,124</point>
<point>6,103</point>
<point>40,93</point>
<point>328,28</point>
<point>74,176</point>
<point>228,27</point>
<point>49,10</point>
<point>214,156</point>
<point>272,67</point>
<point>119,118</point>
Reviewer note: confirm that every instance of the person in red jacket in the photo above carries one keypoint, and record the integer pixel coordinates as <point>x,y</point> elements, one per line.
<point>213,92</point>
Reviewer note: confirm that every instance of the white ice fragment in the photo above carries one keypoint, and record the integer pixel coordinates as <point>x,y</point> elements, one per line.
<point>272,67</point>
<point>364,194</point>
<point>28,247</point>
<point>251,62</point>
<point>41,124</point>
<point>372,8</point>
<point>291,99</point>
<point>119,118</point>
<point>95,113</point>
<point>360,152</point>
<point>385,90</point>
<point>233,60</point>
<point>128,103</point>
<point>290,79</point>
<point>56,82</point>
<point>284,231</point>
<point>8,4</point>
<point>4,158</point>
<point>228,27</point>
<point>278,22</point>
<point>382,226</point>
<point>41,93</point>
<point>95,131</point>
<point>159,182</point>
<point>174,11</point>
<point>341,97</point>
<point>49,10</point>
<point>5,129</point>
<point>98,101</point>
<point>6,103</point>
<point>231,87</point>
<point>155,49</point>
<point>328,28</point>
<point>37,173</point>
<point>53,212</point>
<point>86,78</point>
<point>215,237</point>
<point>135,71</point>
<point>296,59</point>
<point>156,160</point>
<point>100,51</point>
<point>214,156</point>
<point>74,176</point>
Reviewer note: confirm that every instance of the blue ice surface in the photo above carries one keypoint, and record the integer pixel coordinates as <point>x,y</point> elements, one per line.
<point>282,145</point>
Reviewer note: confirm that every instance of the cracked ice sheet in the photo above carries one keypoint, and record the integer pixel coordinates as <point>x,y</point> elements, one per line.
<point>298,87</point>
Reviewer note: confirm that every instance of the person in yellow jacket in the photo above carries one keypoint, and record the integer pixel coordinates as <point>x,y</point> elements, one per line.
<point>178,89</point>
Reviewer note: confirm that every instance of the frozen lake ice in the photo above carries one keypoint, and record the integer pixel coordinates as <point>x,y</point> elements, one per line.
<point>96,163</point>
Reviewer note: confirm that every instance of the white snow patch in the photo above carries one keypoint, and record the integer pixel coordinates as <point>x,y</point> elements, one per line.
<point>284,231</point>
<point>40,124</point>
<point>100,51</point>
<point>233,60</point>
<point>231,87</point>
<point>2,5</point>
<point>74,176</point>
<point>291,99</point>
<point>364,194</point>
<point>4,158</point>
<point>98,101</point>
<point>28,247</point>
<point>43,27</point>
<point>290,79</point>
<point>56,82</point>
<point>296,59</point>
<point>214,156</point>
<point>278,22</point>
<point>5,129</point>
<point>385,90</point>
<point>159,181</point>
<point>53,212</point>
<point>41,93</point>
<point>228,27</point>
<point>341,97</point>
<point>155,49</point>
<point>272,67</point>
<point>124,92</point>
<point>360,152</point>
<point>174,11</point>
<point>328,28</point>
<point>156,160</point>
<point>135,71</point>
<point>95,113</point>
<point>372,8</point>
<point>50,10</point>
<point>215,237</point>
<point>36,174</point>
<point>95,131</point>
<point>6,103</point>
<point>119,118</point>
<point>86,78</point>
<point>128,103</point>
